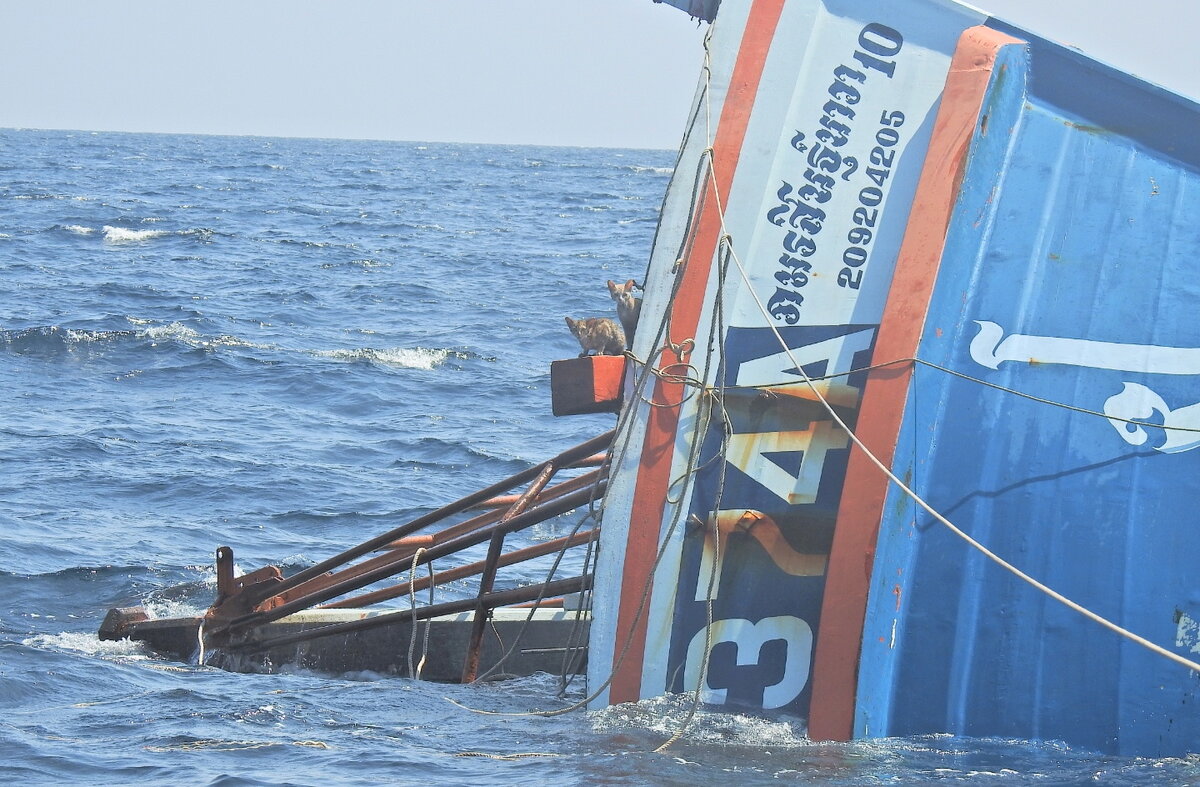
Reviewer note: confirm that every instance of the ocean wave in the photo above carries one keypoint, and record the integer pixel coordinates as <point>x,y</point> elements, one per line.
<point>52,339</point>
<point>403,357</point>
<point>666,715</point>
<point>178,332</point>
<point>163,609</point>
<point>49,339</point>
<point>123,235</point>
<point>314,244</point>
<point>174,330</point>
<point>117,235</point>
<point>78,229</point>
<point>89,644</point>
<point>365,264</point>
<point>653,170</point>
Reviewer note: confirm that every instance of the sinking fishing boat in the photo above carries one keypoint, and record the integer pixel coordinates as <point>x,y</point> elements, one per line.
<point>905,432</point>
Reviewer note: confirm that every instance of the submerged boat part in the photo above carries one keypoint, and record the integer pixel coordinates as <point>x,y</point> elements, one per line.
<point>263,620</point>
<point>915,234</point>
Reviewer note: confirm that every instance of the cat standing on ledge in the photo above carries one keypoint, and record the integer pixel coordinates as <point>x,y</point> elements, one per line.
<point>597,336</point>
<point>629,307</point>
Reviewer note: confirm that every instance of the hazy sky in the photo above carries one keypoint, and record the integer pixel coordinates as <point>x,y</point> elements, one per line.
<point>616,73</point>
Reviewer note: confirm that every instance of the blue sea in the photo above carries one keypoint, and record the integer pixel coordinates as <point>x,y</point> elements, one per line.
<point>288,346</point>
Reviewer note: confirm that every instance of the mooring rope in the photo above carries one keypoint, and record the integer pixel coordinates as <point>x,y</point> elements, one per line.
<point>699,385</point>
<point>535,604</point>
<point>718,556</point>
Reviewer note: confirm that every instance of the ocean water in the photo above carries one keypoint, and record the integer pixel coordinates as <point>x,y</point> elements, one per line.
<point>288,346</point>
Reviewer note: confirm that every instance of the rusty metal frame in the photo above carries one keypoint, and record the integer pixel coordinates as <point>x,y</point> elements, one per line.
<point>248,602</point>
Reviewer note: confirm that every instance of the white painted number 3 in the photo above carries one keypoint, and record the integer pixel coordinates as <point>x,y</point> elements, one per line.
<point>749,639</point>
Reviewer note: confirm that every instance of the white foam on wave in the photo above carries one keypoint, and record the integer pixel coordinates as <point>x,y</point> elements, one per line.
<point>175,330</point>
<point>404,357</point>
<point>82,337</point>
<point>666,715</point>
<point>181,333</point>
<point>123,235</point>
<point>228,340</point>
<point>79,229</point>
<point>90,644</point>
<point>165,608</point>
<point>146,329</point>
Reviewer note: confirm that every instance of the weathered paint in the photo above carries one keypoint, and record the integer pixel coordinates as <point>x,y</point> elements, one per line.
<point>1047,247</point>
<point>1068,274</point>
<point>862,508</point>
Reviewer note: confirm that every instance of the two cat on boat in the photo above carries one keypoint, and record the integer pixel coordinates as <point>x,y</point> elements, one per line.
<point>605,336</point>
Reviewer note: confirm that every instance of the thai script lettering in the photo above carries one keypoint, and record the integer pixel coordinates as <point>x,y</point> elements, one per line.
<point>801,199</point>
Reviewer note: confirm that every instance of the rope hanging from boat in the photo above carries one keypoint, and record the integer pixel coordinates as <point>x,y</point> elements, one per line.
<point>699,385</point>
<point>415,674</point>
<point>200,642</point>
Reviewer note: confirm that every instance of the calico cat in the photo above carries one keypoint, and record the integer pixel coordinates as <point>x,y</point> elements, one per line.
<point>597,336</point>
<point>629,307</point>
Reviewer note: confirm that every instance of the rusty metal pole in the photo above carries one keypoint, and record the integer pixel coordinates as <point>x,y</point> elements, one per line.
<point>531,517</point>
<point>579,482</point>
<point>400,552</point>
<point>459,572</point>
<point>225,579</point>
<point>580,451</point>
<point>488,577</point>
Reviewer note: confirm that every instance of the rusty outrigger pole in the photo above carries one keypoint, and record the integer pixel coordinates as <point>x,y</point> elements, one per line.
<point>241,619</point>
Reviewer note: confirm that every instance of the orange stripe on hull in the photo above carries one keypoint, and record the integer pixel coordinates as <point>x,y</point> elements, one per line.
<point>650,493</point>
<point>835,664</point>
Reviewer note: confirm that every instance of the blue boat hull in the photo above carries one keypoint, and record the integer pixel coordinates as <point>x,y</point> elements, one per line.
<point>911,237</point>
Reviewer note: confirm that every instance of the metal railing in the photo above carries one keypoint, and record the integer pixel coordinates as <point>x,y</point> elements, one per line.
<point>246,603</point>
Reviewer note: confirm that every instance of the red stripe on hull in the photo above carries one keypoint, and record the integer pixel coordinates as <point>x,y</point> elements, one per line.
<point>835,663</point>
<point>650,493</point>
